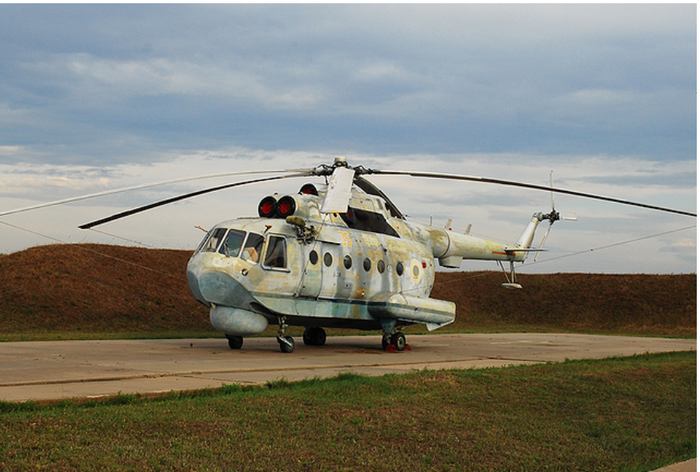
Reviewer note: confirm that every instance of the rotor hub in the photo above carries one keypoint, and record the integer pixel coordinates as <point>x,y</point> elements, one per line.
<point>552,216</point>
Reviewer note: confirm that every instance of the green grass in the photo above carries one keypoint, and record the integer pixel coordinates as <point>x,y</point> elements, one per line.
<point>629,414</point>
<point>80,335</point>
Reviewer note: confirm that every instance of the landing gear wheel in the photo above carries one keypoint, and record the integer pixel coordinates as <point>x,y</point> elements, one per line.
<point>286,344</point>
<point>386,340</point>
<point>399,340</point>
<point>235,342</point>
<point>314,336</point>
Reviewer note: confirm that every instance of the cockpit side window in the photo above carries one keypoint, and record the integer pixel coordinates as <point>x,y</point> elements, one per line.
<point>276,255</point>
<point>232,243</point>
<point>252,249</point>
<point>212,240</point>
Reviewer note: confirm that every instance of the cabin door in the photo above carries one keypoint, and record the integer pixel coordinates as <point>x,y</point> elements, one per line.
<point>312,270</point>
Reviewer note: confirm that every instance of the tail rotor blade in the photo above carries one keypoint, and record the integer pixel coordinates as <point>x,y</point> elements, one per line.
<point>539,250</point>
<point>551,184</point>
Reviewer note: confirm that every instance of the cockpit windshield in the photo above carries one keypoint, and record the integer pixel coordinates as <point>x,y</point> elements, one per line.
<point>253,248</point>
<point>232,243</point>
<point>212,240</point>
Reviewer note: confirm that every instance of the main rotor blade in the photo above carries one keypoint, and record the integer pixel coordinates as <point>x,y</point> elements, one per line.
<point>177,198</point>
<point>435,175</point>
<point>144,186</point>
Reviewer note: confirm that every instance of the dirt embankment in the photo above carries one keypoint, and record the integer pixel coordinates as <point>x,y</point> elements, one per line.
<point>634,304</point>
<point>114,289</point>
<point>97,288</point>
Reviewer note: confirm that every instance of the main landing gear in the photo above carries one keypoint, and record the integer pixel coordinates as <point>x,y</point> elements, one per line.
<point>392,341</point>
<point>395,342</point>
<point>314,336</point>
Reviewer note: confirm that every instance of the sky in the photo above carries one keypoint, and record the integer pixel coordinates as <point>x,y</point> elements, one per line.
<point>101,97</point>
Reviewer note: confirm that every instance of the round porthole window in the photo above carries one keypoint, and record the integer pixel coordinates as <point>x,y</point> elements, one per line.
<point>399,268</point>
<point>381,266</point>
<point>313,257</point>
<point>347,262</point>
<point>367,264</point>
<point>328,259</point>
<point>415,271</point>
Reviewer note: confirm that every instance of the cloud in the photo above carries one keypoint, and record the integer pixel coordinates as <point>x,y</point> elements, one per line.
<point>389,78</point>
<point>494,212</point>
<point>108,96</point>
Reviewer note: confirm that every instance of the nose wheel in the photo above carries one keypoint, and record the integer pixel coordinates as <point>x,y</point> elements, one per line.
<point>286,342</point>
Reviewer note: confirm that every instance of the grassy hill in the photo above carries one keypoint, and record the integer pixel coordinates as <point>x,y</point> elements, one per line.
<point>88,290</point>
<point>593,303</point>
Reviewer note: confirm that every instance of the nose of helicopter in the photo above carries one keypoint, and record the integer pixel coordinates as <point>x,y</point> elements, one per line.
<point>211,285</point>
<point>193,282</point>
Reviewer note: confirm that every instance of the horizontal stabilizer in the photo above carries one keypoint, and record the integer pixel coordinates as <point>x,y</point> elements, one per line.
<point>523,249</point>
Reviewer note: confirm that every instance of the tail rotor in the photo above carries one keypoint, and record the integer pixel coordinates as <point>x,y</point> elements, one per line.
<point>551,217</point>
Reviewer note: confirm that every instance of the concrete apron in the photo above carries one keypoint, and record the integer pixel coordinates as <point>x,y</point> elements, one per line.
<point>92,369</point>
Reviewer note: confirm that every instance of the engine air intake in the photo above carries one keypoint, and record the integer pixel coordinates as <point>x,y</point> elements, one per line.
<point>267,208</point>
<point>308,189</point>
<point>286,206</point>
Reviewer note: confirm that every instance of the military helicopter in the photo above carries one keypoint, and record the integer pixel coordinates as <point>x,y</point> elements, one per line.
<point>339,255</point>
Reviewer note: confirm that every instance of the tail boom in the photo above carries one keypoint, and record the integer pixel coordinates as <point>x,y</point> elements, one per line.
<point>451,248</point>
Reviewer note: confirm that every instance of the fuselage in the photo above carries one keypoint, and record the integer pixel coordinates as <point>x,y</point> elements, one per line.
<point>363,269</point>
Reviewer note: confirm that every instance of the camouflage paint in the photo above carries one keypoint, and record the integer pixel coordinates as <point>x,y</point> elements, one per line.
<point>336,276</point>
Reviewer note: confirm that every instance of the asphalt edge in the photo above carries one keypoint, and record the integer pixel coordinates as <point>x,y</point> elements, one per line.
<point>687,466</point>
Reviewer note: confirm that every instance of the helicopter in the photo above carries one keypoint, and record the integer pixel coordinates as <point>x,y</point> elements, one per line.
<point>339,255</point>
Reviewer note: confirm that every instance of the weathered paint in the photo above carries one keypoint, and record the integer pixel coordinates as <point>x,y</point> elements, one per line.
<point>336,275</point>
<point>237,322</point>
<point>412,309</point>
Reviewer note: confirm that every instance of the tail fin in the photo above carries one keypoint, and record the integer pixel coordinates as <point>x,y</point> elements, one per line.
<point>525,239</point>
